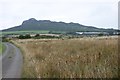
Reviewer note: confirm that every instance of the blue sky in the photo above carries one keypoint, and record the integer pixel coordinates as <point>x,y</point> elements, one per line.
<point>98,13</point>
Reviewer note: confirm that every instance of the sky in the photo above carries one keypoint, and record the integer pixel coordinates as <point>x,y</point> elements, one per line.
<point>97,13</point>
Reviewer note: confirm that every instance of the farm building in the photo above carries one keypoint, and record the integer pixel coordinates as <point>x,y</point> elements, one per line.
<point>92,33</point>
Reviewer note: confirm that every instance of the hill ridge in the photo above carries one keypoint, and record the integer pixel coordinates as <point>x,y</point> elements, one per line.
<point>33,24</point>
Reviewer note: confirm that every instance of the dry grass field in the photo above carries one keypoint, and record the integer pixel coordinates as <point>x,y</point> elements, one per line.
<point>70,58</point>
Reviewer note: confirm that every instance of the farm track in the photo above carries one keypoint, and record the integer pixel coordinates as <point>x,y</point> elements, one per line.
<point>12,62</point>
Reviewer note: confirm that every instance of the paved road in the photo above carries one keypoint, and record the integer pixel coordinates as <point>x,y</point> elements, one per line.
<point>12,62</point>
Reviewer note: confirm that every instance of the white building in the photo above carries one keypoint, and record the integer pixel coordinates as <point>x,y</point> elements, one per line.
<point>92,33</point>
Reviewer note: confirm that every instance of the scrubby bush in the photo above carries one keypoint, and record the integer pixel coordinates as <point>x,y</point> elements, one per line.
<point>27,36</point>
<point>21,37</point>
<point>37,35</point>
<point>5,39</point>
<point>101,34</point>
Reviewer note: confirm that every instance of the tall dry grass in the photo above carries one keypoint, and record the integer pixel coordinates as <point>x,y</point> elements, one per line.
<point>75,58</point>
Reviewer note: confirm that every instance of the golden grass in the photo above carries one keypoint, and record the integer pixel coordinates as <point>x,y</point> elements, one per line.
<point>75,58</point>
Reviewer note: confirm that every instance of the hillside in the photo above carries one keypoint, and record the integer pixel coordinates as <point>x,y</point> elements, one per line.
<point>33,24</point>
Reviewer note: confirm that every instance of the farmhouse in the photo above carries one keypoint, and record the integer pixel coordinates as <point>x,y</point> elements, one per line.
<point>92,33</point>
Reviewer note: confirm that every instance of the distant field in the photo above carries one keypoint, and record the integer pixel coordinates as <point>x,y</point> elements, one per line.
<point>75,58</point>
<point>25,32</point>
<point>31,32</point>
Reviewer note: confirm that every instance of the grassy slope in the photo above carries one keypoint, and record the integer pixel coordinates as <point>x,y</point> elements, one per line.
<point>81,58</point>
<point>0,47</point>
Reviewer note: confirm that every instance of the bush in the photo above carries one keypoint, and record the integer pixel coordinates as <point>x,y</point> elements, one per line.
<point>37,35</point>
<point>5,39</point>
<point>101,34</point>
<point>21,37</point>
<point>27,36</point>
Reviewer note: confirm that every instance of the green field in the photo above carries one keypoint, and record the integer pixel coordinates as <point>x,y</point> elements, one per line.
<point>25,32</point>
<point>32,32</point>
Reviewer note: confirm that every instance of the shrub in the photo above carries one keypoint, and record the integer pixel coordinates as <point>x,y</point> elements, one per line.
<point>101,34</point>
<point>37,35</point>
<point>5,39</point>
<point>21,37</point>
<point>27,36</point>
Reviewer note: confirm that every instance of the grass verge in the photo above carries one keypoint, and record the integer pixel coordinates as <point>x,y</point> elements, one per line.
<point>2,48</point>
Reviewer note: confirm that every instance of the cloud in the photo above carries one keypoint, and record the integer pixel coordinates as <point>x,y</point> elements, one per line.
<point>99,13</point>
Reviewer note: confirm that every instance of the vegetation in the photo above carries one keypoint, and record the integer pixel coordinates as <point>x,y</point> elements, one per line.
<point>26,32</point>
<point>57,32</point>
<point>73,58</point>
<point>37,36</point>
<point>101,34</point>
<point>27,36</point>
<point>4,39</point>
<point>2,48</point>
<point>44,37</point>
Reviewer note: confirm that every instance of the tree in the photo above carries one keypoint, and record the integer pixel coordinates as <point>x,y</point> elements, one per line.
<point>37,35</point>
<point>21,37</point>
<point>27,36</point>
<point>101,34</point>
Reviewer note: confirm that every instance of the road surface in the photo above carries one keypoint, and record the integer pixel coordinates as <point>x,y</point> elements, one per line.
<point>12,62</point>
